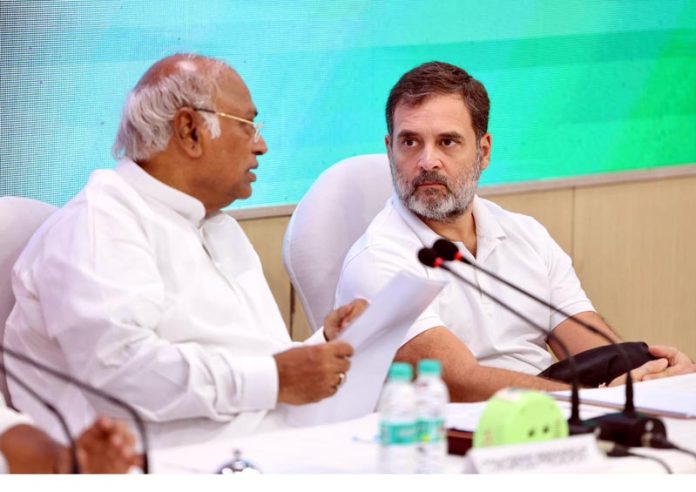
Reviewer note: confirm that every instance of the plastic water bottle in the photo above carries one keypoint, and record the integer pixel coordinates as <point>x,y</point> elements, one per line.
<point>432,398</point>
<point>397,408</point>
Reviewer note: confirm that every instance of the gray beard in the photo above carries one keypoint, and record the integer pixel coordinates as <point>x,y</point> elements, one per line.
<point>434,204</point>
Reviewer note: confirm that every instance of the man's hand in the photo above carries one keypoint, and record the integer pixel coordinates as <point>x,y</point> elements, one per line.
<point>106,447</point>
<point>671,362</point>
<point>678,362</point>
<point>341,317</point>
<point>311,373</point>
<point>640,373</point>
<point>29,450</point>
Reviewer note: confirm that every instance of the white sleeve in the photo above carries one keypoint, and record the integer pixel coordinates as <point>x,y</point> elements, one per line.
<point>366,272</point>
<point>102,297</point>
<point>566,292</point>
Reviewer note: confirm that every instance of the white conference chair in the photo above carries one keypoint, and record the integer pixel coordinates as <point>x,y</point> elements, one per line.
<point>19,219</point>
<point>326,222</point>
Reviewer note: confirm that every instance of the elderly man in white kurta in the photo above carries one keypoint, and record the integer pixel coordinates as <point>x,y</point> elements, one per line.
<point>142,287</point>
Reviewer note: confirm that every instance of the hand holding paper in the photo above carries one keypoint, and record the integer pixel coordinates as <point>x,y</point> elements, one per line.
<point>375,337</point>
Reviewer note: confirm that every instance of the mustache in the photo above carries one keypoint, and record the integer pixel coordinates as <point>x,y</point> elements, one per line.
<point>430,177</point>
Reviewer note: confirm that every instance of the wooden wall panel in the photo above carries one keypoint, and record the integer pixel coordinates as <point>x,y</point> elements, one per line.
<point>554,209</point>
<point>635,250</point>
<point>632,245</point>
<point>300,326</point>
<point>267,237</point>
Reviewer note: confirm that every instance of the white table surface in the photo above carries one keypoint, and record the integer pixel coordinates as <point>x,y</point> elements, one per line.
<point>350,447</point>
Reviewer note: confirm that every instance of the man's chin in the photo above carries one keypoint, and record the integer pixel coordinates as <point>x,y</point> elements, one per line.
<point>427,201</point>
<point>242,193</point>
<point>433,210</point>
<point>245,192</point>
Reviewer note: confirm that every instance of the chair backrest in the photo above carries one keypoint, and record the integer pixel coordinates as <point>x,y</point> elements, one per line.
<point>19,219</point>
<point>326,222</point>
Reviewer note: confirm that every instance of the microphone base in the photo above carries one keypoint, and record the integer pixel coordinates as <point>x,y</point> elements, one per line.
<point>627,430</point>
<point>580,427</point>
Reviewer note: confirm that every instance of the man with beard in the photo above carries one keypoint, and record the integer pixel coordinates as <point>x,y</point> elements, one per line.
<point>438,145</point>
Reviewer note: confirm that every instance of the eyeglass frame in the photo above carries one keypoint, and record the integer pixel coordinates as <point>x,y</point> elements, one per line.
<point>257,126</point>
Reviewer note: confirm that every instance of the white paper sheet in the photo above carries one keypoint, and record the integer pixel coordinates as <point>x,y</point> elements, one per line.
<point>466,416</point>
<point>375,336</point>
<point>669,397</point>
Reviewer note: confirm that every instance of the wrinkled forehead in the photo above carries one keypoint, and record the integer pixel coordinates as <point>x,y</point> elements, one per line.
<point>233,94</point>
<point>434,112</point>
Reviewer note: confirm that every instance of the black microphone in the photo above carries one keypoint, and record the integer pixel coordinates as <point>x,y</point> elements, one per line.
<point>74,467</point>
<point>89,389</point>
<point>429,257</point>
<point>626,427</point>
<point>449,251</point>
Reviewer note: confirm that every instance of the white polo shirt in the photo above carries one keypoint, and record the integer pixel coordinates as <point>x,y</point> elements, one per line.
<point>130,288</point>
<point>514,246</point>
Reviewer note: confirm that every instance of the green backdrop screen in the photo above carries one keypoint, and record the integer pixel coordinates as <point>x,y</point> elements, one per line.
<point>577,87</point>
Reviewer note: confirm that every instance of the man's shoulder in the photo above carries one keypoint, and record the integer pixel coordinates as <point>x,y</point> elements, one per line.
<point>105,195</point>
<point>387,231</point>
<point>513,222</point>
<point>107,185</point>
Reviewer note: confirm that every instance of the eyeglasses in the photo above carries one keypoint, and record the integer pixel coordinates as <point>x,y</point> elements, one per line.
<point>257,126</point>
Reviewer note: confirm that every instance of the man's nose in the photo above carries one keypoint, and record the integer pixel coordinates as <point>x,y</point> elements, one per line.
<point>429,158</point>
<point>260,147</point>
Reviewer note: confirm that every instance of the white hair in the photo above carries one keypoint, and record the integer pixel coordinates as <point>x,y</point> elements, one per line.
<point>146,122</point>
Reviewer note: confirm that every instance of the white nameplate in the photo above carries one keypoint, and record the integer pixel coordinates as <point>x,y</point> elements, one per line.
<point>572,454</point>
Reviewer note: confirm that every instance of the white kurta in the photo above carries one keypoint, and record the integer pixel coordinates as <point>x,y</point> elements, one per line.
<point>514,246</point>
<point>130,288</point>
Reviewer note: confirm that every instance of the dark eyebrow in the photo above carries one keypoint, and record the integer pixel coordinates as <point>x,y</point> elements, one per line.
<point>406,134</point>
<point>452,135</point>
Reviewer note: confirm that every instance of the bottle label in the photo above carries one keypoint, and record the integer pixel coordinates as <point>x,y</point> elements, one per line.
<point>431,430</point>
<point>397,434</point>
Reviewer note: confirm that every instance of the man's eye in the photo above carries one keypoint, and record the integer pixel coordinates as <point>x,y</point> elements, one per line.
<point>408,142</point>
<point>449,142</point>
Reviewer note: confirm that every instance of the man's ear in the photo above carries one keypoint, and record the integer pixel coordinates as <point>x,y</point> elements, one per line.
<point>387,144</point>
<point>486,144</point>
<point>187,131</point>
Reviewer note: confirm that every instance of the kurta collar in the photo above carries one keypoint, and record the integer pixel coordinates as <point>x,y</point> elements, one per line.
<point>185,205</point>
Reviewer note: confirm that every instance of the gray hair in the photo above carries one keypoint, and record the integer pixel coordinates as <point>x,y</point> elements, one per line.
<point>461,190</point>
<point>146,122</point>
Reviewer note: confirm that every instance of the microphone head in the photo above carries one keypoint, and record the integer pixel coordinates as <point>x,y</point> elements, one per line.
<point>428,257</point>
<point>446,250</point>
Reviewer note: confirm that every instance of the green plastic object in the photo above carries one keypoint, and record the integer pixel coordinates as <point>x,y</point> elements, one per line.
<point>400,371</point>
<point>430,367</point>
<point>517,416</point>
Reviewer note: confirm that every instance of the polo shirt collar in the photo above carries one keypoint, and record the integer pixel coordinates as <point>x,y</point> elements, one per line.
<point>489,233</point>
<point>185,205</point>
<point>488,230</point>
<point>424,233</point>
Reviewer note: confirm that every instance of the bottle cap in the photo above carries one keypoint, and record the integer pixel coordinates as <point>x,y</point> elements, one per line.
<point>429,367</point>
<point>400,371</point>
